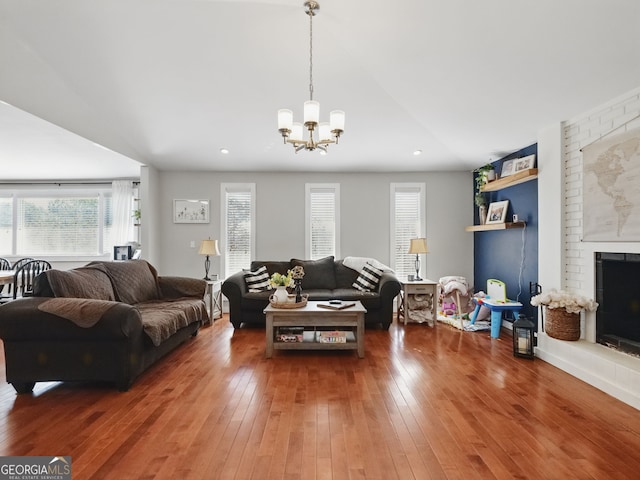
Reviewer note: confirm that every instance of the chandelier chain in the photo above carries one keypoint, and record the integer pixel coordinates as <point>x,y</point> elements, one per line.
<point>311,54</point>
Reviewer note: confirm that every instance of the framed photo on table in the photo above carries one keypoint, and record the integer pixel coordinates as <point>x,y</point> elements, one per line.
<point>122,252</point>
<point>497,212</point>
<point>191,211</point>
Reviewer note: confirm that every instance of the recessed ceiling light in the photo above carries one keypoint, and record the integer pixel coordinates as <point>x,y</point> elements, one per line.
<point>224,151</point>
<point>417,152</point>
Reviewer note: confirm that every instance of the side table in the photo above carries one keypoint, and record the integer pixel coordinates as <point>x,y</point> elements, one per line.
<point>418,287</point>
<point>213,299</point>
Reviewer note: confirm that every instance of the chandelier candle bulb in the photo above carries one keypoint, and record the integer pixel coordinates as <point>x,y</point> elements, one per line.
<point>336,119</point>
<point>325,131</point>
<point>296,132</point>
<point>311,112</point>
<point>285,119</point>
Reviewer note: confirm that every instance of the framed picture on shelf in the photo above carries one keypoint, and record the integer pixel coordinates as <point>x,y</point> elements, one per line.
<point>524,163</point>
<point>507,168</point>
<point>497,212</point>
<point>191,211</point>
<point>122,252</point>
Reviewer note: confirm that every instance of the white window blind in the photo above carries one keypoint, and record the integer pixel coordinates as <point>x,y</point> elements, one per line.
<point>6,226</point>
<point>238,226</point>
<point>61,225</point>
<point>67,221</point>
<point>407,222</point>
<point>322,219</point>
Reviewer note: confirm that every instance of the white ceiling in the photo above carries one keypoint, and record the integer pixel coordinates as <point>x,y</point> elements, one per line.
<point>169,82</point>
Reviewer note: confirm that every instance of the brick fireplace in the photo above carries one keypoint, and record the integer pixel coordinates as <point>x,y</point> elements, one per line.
<point>568,262</point>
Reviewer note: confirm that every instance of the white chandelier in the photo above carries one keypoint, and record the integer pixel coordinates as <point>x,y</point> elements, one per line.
<point>292,132</point>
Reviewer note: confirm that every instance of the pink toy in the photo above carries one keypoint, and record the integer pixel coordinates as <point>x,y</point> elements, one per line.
<point>448,308</point>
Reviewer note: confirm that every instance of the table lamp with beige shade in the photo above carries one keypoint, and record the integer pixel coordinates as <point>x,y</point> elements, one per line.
<point>209,248</point>
<point>418,246</point>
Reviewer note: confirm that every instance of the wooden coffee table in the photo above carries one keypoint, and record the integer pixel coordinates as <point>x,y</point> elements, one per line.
<point>311,317</point>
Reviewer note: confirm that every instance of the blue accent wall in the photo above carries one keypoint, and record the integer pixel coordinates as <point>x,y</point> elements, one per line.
<point>511,255</point>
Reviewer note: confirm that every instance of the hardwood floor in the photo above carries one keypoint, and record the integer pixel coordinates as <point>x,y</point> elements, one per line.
<point>424,403</point>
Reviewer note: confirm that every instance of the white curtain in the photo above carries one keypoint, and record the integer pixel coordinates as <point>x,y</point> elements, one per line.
<point>122,200</point>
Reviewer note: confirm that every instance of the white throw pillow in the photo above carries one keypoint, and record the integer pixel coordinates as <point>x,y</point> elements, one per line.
<point>257,281</point>
<point>368,279</point>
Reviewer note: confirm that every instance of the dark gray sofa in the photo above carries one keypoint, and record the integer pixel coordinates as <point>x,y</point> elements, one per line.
<point>324,279</point>
<point>108,321</point>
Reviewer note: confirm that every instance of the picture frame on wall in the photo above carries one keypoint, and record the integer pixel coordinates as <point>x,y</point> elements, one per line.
<point>497,212</point>
<point>524,163</point>
<point>190,211</point>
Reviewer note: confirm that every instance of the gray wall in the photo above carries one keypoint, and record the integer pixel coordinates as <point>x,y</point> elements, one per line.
<point>280,205</point>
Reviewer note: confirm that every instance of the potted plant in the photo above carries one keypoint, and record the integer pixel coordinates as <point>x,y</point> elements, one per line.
<point>563,312</point>
<point>482,177</point>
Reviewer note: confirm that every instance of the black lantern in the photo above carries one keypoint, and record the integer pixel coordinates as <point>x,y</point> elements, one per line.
<point>523,330</point>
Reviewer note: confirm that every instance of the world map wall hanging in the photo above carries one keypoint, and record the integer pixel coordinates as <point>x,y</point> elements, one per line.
<point>611,189</point>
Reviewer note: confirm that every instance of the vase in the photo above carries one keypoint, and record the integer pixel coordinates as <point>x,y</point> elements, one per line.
<point>280,295</point>
<point>561,324</point>
<point>482,214</point>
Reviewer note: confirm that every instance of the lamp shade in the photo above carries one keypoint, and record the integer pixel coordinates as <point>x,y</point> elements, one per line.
<point>418,245</point>
<point>285,119</point>
<point>311,111</point>
<point>209,247</point>
<point>325,132</point>
<point>336,119</point>
<point>296,131</point>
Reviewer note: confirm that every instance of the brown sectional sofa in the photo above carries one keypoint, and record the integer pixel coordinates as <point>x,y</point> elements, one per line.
<point>324,279</point>
<point>108,321</point>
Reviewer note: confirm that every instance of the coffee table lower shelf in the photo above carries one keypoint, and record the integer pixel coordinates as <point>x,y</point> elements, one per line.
<point>314,319</point>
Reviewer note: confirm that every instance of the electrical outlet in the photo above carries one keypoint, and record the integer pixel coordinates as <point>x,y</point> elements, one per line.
<point>192,244</point>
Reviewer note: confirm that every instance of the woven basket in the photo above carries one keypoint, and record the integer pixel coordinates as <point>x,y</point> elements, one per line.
<point>562,325</point>
<point>300,304</point>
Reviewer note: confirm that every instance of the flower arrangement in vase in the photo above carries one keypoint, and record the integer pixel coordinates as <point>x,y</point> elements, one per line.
<point>280,282</point>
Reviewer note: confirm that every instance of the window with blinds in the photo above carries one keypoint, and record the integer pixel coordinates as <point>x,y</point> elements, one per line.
<point>62,224</point>
<point>238,226</point>
<point>6,226</point>
<point>322,231</point>
<point>407,222</point>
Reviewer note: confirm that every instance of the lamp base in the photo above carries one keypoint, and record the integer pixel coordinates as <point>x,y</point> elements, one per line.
<point>207,264</point>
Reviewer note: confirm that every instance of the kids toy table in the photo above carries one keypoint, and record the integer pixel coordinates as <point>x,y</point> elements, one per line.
<point>496,307</point>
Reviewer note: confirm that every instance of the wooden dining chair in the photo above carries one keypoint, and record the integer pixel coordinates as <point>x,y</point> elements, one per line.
<point>18,263</point>
<point>4,265</point>
<point>11,287</point>
<point>25,276</point>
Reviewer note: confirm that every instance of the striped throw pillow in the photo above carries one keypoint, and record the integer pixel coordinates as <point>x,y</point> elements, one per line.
<point>257,281</point>
<point>368,279</point>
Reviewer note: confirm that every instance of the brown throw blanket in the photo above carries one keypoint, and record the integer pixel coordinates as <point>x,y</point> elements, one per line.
<point>83,312</point>
<point>160,319</point>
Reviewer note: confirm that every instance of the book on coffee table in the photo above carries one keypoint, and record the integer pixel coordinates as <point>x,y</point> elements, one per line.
<point>336,304</point>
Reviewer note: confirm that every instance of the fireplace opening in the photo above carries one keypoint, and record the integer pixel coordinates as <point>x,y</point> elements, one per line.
<point>618,296</point>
